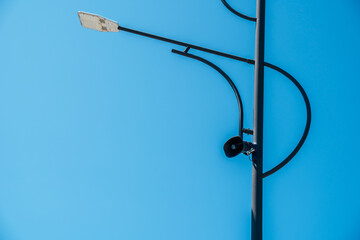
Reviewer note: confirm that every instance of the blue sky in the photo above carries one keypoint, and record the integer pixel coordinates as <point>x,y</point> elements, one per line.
<point>111,136</point>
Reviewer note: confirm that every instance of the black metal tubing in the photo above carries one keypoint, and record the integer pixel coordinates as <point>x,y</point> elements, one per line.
<point>228,79</point>
<point>308,120</point>
<point>249,61</point>
<point>237,13</point>
<point>186,45</point>
<point>286,74</point>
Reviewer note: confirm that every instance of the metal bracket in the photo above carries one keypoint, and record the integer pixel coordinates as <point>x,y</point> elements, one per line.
<point>251,151</point>
<point>248,131</point>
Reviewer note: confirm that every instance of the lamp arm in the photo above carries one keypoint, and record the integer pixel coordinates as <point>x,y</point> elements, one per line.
<point>228,79</point>
<point>207,50</point>
<point>308,120</point>
<point>237,13</point>
<point>241,59</point>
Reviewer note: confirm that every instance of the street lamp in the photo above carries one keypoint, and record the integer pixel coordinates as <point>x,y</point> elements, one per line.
<point>96,22</point>
<point>235,145</point>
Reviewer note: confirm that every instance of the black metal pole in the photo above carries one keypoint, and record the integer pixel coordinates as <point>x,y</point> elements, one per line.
<point>257,171</point>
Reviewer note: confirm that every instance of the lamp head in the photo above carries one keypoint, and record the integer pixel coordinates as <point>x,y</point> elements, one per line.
<point>96,22</point>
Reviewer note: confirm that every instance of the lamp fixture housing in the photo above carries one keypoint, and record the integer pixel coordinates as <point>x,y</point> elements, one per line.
<point>98,23</point>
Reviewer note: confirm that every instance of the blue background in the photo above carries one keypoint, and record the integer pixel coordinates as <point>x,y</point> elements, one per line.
<point>111,136</point>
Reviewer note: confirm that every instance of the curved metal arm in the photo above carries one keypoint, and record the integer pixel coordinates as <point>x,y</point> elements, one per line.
<point>308,120</point>
<point>286,74</point>
<point>237,13</point>
<point>228,79</point>
<point>250,61</point>
<point>172,41</point>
